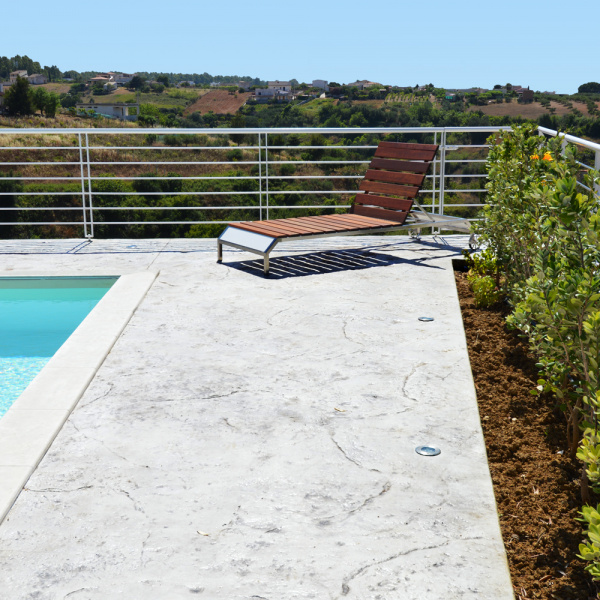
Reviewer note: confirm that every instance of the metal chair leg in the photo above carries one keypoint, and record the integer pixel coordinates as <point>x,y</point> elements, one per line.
<point>266,265</point>
<point>219,252</point>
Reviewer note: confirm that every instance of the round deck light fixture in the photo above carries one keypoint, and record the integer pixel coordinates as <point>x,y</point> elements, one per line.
<point>427,450</point>
<point>426,319</point>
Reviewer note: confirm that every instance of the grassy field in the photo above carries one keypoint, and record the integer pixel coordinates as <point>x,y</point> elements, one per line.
<point>169,98</point>
<point>315,105</point>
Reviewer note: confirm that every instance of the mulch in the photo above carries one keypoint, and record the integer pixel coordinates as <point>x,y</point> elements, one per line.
<point>537,486</point>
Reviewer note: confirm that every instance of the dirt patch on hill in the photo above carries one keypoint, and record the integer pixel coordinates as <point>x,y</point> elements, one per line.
<point>220,102</point>
<point>536,486</point>
<point>57,88</point>
<point>531,110</point>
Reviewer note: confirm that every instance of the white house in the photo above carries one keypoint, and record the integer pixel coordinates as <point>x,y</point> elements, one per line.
<point>282,86</point>
<point>264,92</point>
<point>15,74</point>
<point>122,78</point>
<point>37,79</point>
<point>119,110</point>
<point>362,84</point>
<point>321,84</point>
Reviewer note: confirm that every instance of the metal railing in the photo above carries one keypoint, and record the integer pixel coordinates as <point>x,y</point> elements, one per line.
<point>591,147</point>
<point>92,178</point>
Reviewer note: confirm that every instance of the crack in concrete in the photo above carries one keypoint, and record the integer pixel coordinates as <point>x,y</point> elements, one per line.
<point>58,490</point>
<point>83,589</point>
<point>346,322</point>
<point>268,321</point>
<point>352,460</point>
<point>136,506</point>
<point>407,379</point>
<point>346,581</point>
<point>387,486</point>
<point>101,396</point>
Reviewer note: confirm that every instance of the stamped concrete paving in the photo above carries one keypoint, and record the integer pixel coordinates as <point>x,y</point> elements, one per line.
<point>251,438</point>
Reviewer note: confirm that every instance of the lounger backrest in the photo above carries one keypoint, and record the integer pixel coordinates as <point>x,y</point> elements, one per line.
<point>393,179</point>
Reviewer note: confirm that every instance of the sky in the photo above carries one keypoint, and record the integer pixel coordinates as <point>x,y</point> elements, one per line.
<point>548,46</point>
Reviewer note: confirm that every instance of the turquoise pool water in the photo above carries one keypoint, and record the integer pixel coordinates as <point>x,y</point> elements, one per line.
<point>37,315</point>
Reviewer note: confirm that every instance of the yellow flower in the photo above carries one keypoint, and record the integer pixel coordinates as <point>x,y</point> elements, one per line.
<point>534,157</point>
<point>547,156</point>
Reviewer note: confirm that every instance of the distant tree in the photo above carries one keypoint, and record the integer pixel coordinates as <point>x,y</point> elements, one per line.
<point>164,79</point>
<point>52,73</point>
<point>334,84</point>
<point>39,97</point>
<point>52,105</point>
<point>238,122</point>
<point>497,87</point>
<point>72,75</point>
<point>509,87</point>
<point>17,98</point>
<point>589,88</point>
<point>294,83</point>
<point>136,83</point>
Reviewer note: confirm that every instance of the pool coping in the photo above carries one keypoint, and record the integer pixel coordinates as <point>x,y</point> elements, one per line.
<point>31,424</point>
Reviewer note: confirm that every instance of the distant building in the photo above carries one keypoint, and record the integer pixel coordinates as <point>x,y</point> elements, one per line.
<point>527,95</point>
<point>15,74</point>
<point>122,78</point>
<point>362,84</point>
<point>282,86</point>
<point>321,84</point>
<point>264,94</point>
<point>101,79</point>
<point>118,110</point>
<point>37,79</point>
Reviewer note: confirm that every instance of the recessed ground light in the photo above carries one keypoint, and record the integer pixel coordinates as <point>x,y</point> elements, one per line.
<point>426,319</point>
<point>427,450</point>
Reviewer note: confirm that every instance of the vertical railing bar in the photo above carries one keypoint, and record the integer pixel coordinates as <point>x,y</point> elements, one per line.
<point>89,175</point>
<point>443,173</point>
<point>260,178</point>
<point>267,171</point>
<point>85,226</point>
<point>433,193</point>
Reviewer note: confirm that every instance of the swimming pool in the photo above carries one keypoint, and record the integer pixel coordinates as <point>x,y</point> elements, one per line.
<point>37,315</point>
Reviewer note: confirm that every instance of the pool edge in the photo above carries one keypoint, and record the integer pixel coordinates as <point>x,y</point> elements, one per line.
<point>31,424</point>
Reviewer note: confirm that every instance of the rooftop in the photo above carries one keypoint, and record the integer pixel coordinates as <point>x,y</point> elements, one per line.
<point>255,438</point>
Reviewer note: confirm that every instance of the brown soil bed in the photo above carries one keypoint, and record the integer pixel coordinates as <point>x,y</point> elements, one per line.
<point>536,485</point>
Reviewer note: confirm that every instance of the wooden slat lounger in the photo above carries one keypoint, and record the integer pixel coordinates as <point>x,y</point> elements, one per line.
<point>392,181</point>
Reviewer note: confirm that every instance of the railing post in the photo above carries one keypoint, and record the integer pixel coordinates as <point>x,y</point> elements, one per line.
<point>433,186</point>
<point>260,178</point>
<point>442,172</point>
<point>267,170</point>
<point>82,176</point>
<point>89,181</point>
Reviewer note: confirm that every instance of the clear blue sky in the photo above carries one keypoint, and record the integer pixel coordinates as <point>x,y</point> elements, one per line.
<point>548,45</point>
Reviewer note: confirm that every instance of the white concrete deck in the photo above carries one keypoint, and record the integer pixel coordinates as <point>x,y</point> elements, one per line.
<point>255,438</point>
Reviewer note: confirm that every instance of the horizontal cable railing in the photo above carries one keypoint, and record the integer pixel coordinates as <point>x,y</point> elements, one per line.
<point>181,182</point>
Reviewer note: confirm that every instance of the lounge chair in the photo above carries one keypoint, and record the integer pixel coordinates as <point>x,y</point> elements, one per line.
<point>392,181</point>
